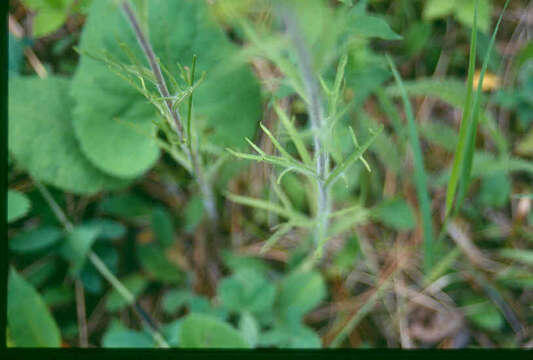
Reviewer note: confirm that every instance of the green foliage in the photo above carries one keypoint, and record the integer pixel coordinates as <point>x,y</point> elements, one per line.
<point>396,213</point>
<point>156,263</point>
<point>105,233</point>
<point>41,138</point>
<point>29,320</point>
<point>135,283</point>
<point>36,239</point>
<point>77,245</point>
<point>203,331</point>
<point>300,293</point>
<point>162,227</point>
<point>420,176</point>
<point>52,14</point>
<point>18,205</point>
<point>126,206</point>
<point>247,291</point>
<point>122,124</point>
<point>124,338</point>
<point>462,10</point>
<point>483,314</point>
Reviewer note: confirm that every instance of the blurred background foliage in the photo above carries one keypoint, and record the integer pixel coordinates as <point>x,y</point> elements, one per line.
<point>77,128</point>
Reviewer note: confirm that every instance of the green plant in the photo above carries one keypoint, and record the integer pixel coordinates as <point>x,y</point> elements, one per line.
<point>324,236</point>
<point>52,14</point>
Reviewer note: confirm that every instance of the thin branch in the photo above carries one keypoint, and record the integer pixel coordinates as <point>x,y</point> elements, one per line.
<point>316,117</point>
<point>206,190</point>
<point>103,269</point>
<point>150,56</point>
<point>81,312</point>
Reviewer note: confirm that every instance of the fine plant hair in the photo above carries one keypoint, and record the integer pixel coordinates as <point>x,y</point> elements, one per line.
<point>315,104</point>
<point>185,142</point>
<point>316,168</point>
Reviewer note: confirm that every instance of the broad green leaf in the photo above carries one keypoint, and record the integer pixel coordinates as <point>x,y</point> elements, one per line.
<point>249,328</point>
<point>495,190</point>
<point>171,332</point>
<point>92,280</point>
<point>227,103</point>
<point>135,283</point>
<point>437,8</point>
<point>297,337</point>
<point>41,138</point>
<point>58,295</point>
<point>30,322</point>
<point>47,21</point>
<point>176,299</point>
<point>300,293</point>
<point>396,213</point>
<point>18,205</point>
<point>15,54</point>
<point>154,261</point>
<point>127,339</point>
<point>247,290</point>
<point>346,258</point>
<point>162,227</point>
<point>77,245</point>
<point>368,26</point>
<point>203,331</point>
<point>236,262</point>
<point>464,13</point>
<point>40,273</point>
<point>36,239</point>
<point>127,206</point>
<point>107,229</point>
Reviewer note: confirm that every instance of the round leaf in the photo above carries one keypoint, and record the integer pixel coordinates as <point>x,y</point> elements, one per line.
<point>227,103</point>
<point>41,138</point>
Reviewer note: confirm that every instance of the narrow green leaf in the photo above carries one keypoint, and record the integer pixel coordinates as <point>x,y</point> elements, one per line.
<point>420,176</point>
<point>472,125</point>
<point>294,135</point>
<point>273,239</point>
<point>353,157</point>
<point>35,240</point>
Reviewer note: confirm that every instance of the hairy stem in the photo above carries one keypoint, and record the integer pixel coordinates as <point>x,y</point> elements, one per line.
<point>190,151</point>
<point>104,270</point>
<point>156,69</point>
<point>316,117</point>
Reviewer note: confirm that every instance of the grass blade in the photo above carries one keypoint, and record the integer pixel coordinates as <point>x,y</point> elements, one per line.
<point>460,149</point>
<point>472,125</point>
<point>420,176</point>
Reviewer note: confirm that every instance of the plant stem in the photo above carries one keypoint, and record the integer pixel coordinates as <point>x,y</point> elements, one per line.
<point>316,117</point>
<point>190,151</point>
<point>156,69</point>
<point>103,269</point>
